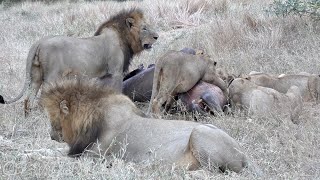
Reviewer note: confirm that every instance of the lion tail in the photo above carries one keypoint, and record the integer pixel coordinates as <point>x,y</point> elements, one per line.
<point>156,84</point>
<point>31,56</point>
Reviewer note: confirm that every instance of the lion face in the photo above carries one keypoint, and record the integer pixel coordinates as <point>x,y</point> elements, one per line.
<point>56,129</point>
<point>60,123</point>
<point>56,133</point>
<point>142,32</point>
<point>211,64</point>
<point>147,36</point>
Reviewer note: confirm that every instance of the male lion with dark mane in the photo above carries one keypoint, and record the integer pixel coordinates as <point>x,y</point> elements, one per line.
<point>83,113</point>
<point>106,55</point>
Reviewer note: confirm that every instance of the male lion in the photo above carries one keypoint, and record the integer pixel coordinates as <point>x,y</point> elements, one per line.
<point>263,101</point>
<point>177,72</point>
<point>83,113</point>
<point>309,85</point>
<point>106,55</point>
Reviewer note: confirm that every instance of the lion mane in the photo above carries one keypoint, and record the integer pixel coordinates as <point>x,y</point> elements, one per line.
<point>129,44</point>
<point>84,110</point>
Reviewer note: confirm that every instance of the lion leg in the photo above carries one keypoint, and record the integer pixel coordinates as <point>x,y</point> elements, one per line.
<point>214,148</point>
<point>169,102</point>
<point>36,80</point>
<point>158,101</point>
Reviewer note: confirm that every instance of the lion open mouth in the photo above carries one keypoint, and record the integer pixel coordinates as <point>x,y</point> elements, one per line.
<point>147,46</point>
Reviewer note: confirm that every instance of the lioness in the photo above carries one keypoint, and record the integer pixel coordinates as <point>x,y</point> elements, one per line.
<point>83,113</point>
<point>309,85</point>
<point>138,84</point>
<point>177,72</point>
<point>106,55</point>
<point>261,100</point>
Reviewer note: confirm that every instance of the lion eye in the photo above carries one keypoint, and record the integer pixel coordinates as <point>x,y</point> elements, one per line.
<point>144,29</point>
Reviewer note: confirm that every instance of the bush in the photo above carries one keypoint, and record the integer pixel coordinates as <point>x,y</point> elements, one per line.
<point>297,7</point>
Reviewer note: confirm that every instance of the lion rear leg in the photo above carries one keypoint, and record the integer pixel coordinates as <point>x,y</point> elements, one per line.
<point>215,149</point>
<point>158,101</point>
<point>169,102</point>
<point>36,80</point>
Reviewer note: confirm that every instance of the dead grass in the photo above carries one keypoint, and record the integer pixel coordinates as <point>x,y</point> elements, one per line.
<point>239,35</point>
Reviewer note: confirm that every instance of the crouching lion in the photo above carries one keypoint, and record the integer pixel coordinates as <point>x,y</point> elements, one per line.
<point>106,55</point>
<point>260,100</point>
<point>83,113</point>
<point>177,72</point>
<point>309,85</point>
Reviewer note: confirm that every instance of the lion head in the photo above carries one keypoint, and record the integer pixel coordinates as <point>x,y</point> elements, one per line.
<point>75,111</point>
<point>135,33</point>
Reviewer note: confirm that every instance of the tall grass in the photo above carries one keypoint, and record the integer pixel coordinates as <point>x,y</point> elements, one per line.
<point>239,34</point>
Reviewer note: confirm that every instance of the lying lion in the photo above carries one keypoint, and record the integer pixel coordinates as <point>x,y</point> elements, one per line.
<point>309,85</point>
<point>82,113</point>
<point>263,101</point>
<point>177,72</point>
<point>106,55</point>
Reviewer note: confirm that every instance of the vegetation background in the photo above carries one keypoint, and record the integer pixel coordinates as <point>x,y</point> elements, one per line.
<point>241,35</point>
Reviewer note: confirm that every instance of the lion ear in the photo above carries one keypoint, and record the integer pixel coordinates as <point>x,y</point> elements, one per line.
<point>63,107</point>
<point>129,22</point>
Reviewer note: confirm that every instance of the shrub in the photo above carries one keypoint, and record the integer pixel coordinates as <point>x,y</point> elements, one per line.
<point>297,7</point>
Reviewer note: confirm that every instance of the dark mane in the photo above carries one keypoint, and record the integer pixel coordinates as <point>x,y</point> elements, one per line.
<point>83,97</point>
<point>118,23</point>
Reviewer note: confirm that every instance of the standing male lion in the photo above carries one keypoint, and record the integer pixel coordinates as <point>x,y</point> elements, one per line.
<point>82,113</point>
<point>106,55</point>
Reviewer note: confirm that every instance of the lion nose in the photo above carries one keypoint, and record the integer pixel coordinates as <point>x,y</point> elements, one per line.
<point>52,137</point>
<point>155,36</point>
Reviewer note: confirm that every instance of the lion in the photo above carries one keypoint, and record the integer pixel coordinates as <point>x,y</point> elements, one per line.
<point>260,100</point>
<point>106,55</point>
<point>309,85</point>
<point>91,117</point>
<point>225,76</point>
<point>177,72</point>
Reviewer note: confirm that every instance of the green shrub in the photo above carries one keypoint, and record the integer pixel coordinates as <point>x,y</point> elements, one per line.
<point>297,7</point>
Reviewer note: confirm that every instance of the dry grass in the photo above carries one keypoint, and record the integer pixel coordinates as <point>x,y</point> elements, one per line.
<point>239,35</point>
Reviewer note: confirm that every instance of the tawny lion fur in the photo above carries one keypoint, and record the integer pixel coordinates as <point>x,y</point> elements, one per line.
<point>263,101</point>
<point>177,72</point>
<point>83,113</point>
<point>309,85</point>
<point>106,55</point>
